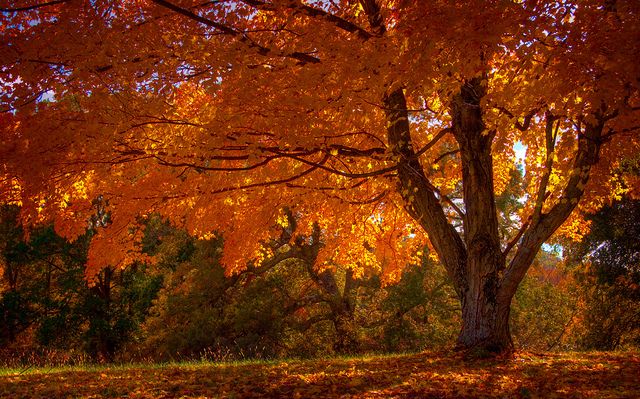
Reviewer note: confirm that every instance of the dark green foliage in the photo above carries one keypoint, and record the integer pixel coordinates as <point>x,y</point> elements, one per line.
<point>612,246</point>
<point>421,310</point>
<point>48,298</point>
<point>290,310</point>
<point>544,308</point>
<point>101,318</point>
<point>510,202</point>
<point>610,282</point>
<point>200,312</point>
<point>185,319</point>
<point>186,307</point>
<point>15,316</point>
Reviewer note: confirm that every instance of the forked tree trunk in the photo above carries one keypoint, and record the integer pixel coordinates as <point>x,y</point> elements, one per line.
<point>483,280</point>
<point>485,309</point>
<point>473,257</point>
<point>474,260</point>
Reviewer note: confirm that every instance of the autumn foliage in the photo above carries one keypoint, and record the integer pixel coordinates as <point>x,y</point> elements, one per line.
<point>387,124</point>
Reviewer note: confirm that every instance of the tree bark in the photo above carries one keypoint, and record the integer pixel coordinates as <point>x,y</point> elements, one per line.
<point>421,200</point>
<point>343,309</point>
<point>485,313</point>
<point>473,257</point>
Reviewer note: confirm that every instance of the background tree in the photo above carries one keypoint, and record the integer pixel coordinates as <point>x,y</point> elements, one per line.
<point>546,309</point>
<point>46,302</point>
<point>14,308</point>
<point>421,311</point>
<point>610,283</point>
<point>285,307</point>
<point>387,122</point>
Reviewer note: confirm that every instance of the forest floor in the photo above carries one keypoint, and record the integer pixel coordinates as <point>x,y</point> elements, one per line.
<point>425,375</point>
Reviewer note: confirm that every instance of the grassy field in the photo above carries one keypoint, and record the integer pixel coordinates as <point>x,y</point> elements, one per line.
<point>426,375</point>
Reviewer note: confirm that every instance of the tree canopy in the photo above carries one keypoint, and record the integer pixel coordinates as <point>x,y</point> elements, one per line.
<point>389,123</point>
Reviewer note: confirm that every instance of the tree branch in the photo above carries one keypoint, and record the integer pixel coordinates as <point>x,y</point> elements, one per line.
<point>302,58</point>
<point>336,171</point>
<point>419,194</point>
<point>589,144</point>
<point>515,239</point>
<point>314,13</point>
<point>33,7</point>
<point>527,118</point>
<point>550,144</point>
<point>289,179</point>
<point>434,141</point>
<point>372,10</point>
<point>452,152</point>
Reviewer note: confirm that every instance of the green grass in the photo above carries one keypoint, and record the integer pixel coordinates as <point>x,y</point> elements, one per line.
<point>185,364</point>
<point>90,367</point>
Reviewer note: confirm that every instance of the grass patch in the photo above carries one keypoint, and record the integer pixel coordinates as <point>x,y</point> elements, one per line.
<point>94,368</point>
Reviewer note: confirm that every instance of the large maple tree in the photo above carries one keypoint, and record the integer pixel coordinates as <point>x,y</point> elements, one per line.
<point>389,123</point>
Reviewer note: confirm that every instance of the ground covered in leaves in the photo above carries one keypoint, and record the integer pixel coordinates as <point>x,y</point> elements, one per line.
<point>426,375</point>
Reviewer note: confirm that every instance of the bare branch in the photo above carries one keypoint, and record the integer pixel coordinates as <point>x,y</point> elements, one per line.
<point>268,183</point>
<point>302,57</point>
<point>256,165</point>
<point>527,118</point>
<point>434,141</point>
<point>446,154</point>
<point>312,12</point>
<point>375,198</point>
<point>515,239</point>
<point>33,7</point>
<point>540,229</point>
<point>336,171</point>
<point>550,143</point>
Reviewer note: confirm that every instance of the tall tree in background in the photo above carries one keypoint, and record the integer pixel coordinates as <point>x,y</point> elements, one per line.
<point>45,301</point>
<point>610,282</point>
<point>390,122</point>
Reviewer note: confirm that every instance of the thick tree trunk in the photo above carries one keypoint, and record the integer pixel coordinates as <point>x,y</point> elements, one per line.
<point>345,341</point>
<point>485,312</point>
<point>485,319</point>
<point>485,327</point>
